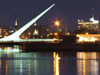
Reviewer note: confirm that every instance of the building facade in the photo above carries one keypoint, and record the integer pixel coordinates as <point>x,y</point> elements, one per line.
<point>92,26</point>
<point>88,38</point>
<point>4,31</point>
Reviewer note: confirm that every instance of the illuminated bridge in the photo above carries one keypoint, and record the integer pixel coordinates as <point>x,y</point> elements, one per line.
<point>15,36</point>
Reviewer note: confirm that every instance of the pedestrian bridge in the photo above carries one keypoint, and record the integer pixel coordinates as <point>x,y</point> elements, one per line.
<point>15,36</point>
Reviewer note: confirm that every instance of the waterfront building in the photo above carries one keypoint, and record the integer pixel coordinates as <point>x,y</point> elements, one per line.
<point>4,31</point>
<point>88,38</point>
<point>91,26</point>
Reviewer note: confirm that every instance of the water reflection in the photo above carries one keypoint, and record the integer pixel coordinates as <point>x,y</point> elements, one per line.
<point>88,63</point>
<point>49,63</point>
<point>11,48</point>
<point>6,67</point>
<point>56,63</point>
<point>21,67</point>
<point>29,68</point>
<point>35,64</point>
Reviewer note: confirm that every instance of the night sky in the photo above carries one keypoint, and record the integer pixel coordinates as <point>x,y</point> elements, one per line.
<point>67,11</point>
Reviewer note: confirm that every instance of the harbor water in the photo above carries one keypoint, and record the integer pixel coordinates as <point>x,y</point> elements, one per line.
<point>14,61</point>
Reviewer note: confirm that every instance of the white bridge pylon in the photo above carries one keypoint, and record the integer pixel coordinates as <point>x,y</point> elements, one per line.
<point>15,36</point>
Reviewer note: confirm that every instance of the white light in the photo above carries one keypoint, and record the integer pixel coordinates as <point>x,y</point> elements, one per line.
<point>91,19</point>
<point>78,20</point>
<point>12,31</point>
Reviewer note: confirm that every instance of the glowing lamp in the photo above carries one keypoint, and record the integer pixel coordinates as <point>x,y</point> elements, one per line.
<point>57,23</point>
<point>55,33</point>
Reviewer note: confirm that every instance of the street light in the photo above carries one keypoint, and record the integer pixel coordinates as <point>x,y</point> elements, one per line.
<point>57,23</point>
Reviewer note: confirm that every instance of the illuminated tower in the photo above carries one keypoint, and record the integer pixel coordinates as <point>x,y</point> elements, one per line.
<point>16,26</point>
<point>35,31</point>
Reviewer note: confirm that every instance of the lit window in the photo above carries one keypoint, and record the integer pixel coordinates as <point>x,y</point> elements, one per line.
<point>4,30</point>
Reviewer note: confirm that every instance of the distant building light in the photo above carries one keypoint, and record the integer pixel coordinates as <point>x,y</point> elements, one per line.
<point>78,20</point>
<point>78,26</point>
<point>55,33</point>
<point>68,33</point>
<point>47,34</point>
<point>11,31</point>
<point>50,33</point>
<point>87,33</point>
<point>25,37</point>
<point>29,33</point>
<point>41,36</point>
<point>35,24</point>
<point>91,19</point>
<point>82,20</point>
<point>4,30</point>
<point>60,29</point>
<point>47,29</point>
<point>6,33</point>
<point>95,21</point>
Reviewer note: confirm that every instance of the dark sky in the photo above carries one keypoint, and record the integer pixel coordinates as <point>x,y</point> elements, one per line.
<point>67,11</point>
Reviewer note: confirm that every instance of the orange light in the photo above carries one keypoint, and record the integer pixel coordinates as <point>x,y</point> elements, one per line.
<point>57,23</point>
<point>29,33</point>
<point>84,24</point>
<point>41,36</point>
<point>68,33</point>
<point>87,33</point>
<point>50,33</point>
<point>25,37</point>
<point>56,63</point>
<point>56,34</point>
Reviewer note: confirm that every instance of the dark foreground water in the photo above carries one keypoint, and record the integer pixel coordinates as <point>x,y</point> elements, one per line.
<point>14,62</point>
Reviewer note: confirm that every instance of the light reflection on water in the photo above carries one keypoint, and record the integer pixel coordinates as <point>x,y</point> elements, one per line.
<point>48,63</point>
<point>56,63</point>
<point>89,65</point>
